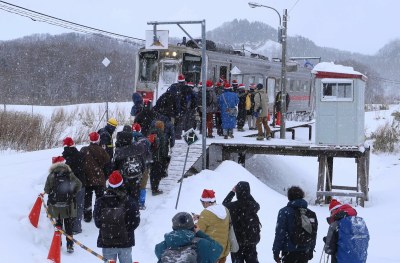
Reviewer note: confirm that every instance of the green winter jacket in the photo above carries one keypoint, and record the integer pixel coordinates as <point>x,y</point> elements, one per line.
<point>49,188</point>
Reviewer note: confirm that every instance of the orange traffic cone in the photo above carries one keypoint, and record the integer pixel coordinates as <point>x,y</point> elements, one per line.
<point>278,118</point>
<point>35,212</point>
<point>268,117</point>
<point>55,250</point>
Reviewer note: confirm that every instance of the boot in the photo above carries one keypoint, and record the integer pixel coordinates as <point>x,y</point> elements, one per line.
<point>87,215</point>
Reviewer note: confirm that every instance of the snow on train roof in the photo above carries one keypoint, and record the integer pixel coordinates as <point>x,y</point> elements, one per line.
<point>336,71</point>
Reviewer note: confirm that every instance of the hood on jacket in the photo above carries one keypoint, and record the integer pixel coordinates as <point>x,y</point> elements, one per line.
<point>56,167</point>
<point>137,98</point>
<point>243,191</point>
<point>179,238</point>
<point>218,210</point>
<point>124,138</point>
<point>298,203</point>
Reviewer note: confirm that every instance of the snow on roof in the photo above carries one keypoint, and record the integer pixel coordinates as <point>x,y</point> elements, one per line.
<point>333,68</point>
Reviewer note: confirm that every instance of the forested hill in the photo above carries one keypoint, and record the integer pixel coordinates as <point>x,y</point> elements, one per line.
<point>67,68</point>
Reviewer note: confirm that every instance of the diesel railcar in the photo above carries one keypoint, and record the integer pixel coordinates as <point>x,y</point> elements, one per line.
<point>157,69</point>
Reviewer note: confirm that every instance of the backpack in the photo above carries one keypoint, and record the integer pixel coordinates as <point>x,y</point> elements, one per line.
<point>185,254</point>
<point>248,230</point>
<point>132,168</point>
<point>113,229</point>
<point>62,193</point>
<point>305,227</point>
<point>353,238</point>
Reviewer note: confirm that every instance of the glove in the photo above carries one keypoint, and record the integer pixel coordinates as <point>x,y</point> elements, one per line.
<point>277,258</point>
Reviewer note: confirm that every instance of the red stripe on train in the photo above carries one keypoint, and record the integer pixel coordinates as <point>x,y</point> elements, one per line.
<point>293,98</point>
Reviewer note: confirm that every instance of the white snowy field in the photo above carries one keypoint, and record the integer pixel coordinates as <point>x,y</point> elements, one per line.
<point>23,176</point>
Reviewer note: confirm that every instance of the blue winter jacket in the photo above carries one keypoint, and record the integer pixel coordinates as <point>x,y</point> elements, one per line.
<point>285,225</point>
<point>232,100</point>
<point>208,250</point>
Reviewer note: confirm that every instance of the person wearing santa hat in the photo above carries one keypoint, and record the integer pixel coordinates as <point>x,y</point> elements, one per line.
<point>214,221</point>
<point>62,186</point>
<point>116,215</point>
<point>348,237</point>
<point>94,162</point>
<point>227,102</point>
<point>74,159</point>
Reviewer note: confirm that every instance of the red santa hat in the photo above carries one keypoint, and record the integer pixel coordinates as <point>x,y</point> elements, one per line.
<point>252,86</point>
<point>68,142</point>
<point>208,196</point>
<point>227,86</point>
<point>218,84</point>
<point>115,180</point>
<point>136,127</point>
<point>334,204</point>
<point>200,84</point>
<point>234,82</point>
<point>57,159</point>
<point>241,86</point>
<point>190,84</point>
<point>209,84</point>
<point>94,137</point>
<point>181,78</point>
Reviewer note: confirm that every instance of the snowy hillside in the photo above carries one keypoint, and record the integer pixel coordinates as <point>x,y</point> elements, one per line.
<point>23,175</point>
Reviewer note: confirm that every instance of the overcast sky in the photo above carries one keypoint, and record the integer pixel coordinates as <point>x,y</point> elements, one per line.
<point>362,26</point>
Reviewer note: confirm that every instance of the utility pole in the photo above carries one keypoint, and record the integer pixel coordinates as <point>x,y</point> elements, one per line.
<point>283,76</point>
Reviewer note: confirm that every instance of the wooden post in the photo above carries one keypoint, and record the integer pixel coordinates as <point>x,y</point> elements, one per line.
<point>321,175</point>
<point>329,178</point>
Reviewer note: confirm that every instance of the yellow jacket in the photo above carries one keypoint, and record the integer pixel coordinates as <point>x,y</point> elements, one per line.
<point>214,221</point>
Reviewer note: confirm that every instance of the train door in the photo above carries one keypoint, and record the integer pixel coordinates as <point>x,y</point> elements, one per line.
<point>223,72</point>
<point>191,67</point>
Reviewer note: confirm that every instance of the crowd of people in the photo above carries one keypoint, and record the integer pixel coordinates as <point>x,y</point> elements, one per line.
<point>228,106</point>
<point>118,175</point>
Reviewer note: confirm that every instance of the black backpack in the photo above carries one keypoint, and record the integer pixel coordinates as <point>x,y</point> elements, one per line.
<point>113,228</point>
<point>185,254</point>
<point>62,191</point>
<point>305,227</point>
<point>132,168</point>
<point>249,228</point>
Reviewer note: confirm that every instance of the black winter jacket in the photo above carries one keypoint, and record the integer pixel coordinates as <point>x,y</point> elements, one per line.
<point>113,198</point>
<point>74,159</point>
<point>244,214</point>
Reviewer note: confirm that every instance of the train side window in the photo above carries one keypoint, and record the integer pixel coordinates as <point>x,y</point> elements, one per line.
<point>252,79</point>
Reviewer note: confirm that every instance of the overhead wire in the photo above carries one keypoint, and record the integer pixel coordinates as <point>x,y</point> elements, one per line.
<point>37,16</point>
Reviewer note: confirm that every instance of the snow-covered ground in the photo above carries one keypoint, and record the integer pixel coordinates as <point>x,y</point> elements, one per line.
<point>23,175</point>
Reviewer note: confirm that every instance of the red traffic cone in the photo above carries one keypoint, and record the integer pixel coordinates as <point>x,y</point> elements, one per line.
<point>111,261</point>
<point>35,212</point>
<point>55,249</point>
<point>268,117</point>
<point>278,119</point>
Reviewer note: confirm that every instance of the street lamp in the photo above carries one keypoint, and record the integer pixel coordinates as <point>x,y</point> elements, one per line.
<point>282,39</point>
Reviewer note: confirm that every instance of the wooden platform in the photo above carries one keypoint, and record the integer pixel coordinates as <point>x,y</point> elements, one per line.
<point>218,152</point>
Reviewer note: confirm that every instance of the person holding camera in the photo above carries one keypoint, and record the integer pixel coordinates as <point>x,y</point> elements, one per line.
<point>261,112</point>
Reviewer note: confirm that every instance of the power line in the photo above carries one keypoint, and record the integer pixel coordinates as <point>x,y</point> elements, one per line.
<point>36,16</point>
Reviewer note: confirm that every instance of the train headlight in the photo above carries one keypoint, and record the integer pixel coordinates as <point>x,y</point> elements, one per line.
<point>174,54</point>
<point>167,53</point>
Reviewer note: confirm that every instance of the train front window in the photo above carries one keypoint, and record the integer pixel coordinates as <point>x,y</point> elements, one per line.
<point>148,66</point>
<point>170,73</point>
